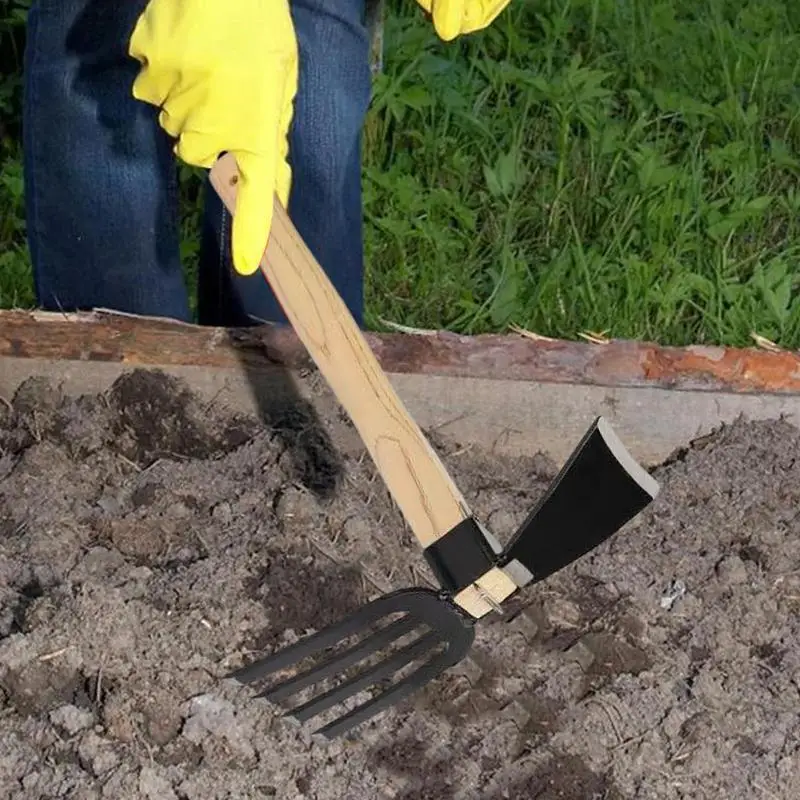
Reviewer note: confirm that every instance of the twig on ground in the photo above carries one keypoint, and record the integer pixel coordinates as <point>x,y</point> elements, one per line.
<point>54,654</point>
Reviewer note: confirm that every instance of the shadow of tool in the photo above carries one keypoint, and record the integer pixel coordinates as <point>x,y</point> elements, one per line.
<point>227,300</point>
<point>315,462</point>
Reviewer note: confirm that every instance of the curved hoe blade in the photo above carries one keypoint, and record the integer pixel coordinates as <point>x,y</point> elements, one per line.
<point>599,489</point>
<point>444,635</point>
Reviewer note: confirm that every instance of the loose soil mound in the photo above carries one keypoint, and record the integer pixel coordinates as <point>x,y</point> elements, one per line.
<point>150,544</point>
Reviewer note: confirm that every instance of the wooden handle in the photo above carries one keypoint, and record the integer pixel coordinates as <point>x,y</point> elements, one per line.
<point>415,476</point>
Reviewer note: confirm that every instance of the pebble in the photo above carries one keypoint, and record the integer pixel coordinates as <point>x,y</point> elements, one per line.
<point>72,719</point>
<point>97,755</point>
<point>298,507</point>
<point>109,504</point>
<point>222,512</point>
<point>178,510</point>
<point>732,570</point>
<point>210,715</point>
<point>154,786</point>
<point>675,591</point>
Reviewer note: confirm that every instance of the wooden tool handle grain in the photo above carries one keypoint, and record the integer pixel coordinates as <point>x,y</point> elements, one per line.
<point>414,474</point>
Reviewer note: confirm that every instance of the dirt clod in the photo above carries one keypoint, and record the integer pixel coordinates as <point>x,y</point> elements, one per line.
<point>149,544</point>
<point>156,416</point>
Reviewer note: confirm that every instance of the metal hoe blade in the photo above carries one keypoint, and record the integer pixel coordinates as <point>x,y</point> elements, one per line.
<point>442,633</point>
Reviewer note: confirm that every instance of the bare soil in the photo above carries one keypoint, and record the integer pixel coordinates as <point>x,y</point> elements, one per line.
<point>149,544</point>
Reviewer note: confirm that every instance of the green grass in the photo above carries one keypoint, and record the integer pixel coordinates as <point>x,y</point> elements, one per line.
<point>608,165</point>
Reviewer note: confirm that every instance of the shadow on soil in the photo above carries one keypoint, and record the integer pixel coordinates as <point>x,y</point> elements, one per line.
<point>315,461</point>
<point>161,418</point>
<point>302,595</point>
<point>562,777</point>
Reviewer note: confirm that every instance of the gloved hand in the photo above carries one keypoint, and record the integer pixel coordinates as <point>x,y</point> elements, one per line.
<point>225,77</point>
<point>452,18</point>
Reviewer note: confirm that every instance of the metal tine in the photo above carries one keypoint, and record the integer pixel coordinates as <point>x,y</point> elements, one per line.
<point>381,670</point>
<point>312,644</point>
<point>419,607</point>
<point>394,694</point>
<point>339,662</point>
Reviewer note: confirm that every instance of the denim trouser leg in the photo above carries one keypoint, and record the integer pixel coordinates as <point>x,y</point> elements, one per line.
<point>99,174</point>
<point>324,151</point>
<point>100,181</point>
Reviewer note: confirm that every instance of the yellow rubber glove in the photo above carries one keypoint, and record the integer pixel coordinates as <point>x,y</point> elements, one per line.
<point>224,73</point>
<point>452,18</point>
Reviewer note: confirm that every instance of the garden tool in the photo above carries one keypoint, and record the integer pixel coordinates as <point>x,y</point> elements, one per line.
<point>423,631</point>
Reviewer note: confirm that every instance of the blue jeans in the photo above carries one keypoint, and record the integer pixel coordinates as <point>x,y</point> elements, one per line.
<point>100,176</point>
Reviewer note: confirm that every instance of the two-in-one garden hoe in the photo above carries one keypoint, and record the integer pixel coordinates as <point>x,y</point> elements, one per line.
<point>424,632</point>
